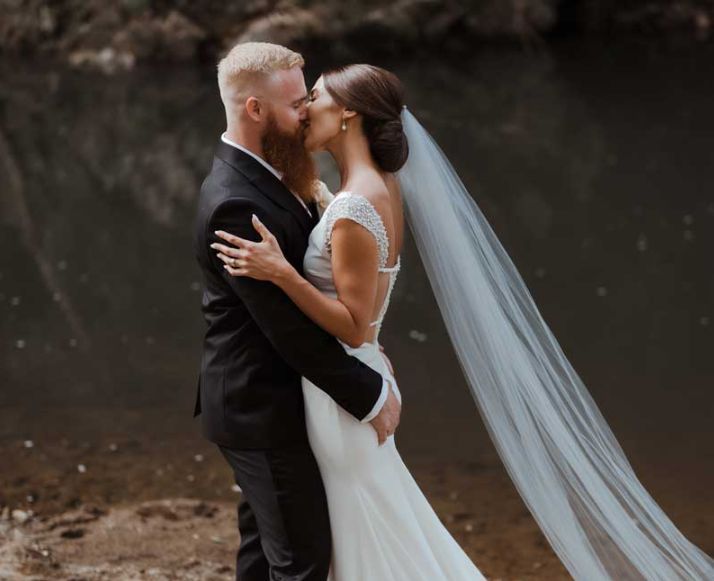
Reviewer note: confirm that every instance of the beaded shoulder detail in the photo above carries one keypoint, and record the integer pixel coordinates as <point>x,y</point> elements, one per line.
<point>358,209</point>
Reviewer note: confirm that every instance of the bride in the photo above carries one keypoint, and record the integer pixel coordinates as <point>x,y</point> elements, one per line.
<point>555,444</point>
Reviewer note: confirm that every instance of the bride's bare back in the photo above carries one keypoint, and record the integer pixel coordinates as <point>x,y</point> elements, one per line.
<point>357,279</point>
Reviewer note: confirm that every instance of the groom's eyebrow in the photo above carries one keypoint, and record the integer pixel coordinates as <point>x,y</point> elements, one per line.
<point>300,100</point>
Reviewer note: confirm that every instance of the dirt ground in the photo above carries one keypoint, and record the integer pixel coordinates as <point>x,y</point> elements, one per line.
<point>131,509</point>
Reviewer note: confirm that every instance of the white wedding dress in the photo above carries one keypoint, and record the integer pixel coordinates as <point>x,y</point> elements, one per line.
<point>383,527</point>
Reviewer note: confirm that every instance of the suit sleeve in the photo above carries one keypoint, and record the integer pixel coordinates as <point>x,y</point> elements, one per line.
<point>304,345</point>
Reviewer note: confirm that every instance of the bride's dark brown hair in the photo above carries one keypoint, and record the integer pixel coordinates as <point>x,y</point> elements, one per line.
<point>378,96</point>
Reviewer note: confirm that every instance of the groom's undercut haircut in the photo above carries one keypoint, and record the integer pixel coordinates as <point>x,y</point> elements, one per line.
<point>248,63</point>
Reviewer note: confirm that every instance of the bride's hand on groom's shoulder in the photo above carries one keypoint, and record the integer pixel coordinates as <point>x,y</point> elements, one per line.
<point>262,260</point>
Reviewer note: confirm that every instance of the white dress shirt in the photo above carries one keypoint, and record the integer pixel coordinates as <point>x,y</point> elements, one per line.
<point>385,382</point>
<point>265,164</point>
<point>379,404</point>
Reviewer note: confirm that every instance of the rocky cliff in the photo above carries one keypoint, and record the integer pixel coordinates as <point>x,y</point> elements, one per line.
<point>118,34</point>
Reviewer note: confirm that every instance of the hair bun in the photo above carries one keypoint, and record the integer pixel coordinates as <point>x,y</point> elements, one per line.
<point>378,96</point>
<point>388,144</point>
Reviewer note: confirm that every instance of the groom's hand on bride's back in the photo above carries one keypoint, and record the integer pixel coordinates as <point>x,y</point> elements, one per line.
<point>386,421</point>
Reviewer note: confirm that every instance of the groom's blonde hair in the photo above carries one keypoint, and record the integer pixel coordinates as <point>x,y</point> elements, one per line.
<point>247,63</point>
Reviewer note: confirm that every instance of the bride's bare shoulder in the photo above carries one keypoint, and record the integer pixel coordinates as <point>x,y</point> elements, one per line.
<point>374,188</point>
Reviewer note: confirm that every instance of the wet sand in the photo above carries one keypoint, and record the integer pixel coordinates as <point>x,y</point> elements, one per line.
<point>130,508</point>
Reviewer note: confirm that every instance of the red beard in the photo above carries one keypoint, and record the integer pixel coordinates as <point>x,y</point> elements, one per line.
<point>286,152</point>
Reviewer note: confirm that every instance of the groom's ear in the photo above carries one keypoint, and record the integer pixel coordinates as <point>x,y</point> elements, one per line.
<point>254,108</point>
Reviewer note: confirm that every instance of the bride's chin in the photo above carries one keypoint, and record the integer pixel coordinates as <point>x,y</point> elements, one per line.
<point>311,147</point>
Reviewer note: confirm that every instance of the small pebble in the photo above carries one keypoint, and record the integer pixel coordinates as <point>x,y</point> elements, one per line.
<point>20,516</point>
<point>20,343</point>
<point>81,468</point>
<point>236,488</point>
<point>417,335</point>
<point>113,447</point>
<point>601,291</point>
<point>190,478</point>
<point>29,443</point>
<point>14,301</point>
<point>198,457</point>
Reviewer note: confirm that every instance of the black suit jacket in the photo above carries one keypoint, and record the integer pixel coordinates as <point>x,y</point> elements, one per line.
<point>258,343</point>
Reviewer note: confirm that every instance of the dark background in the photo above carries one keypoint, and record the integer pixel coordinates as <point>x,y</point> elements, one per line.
<point>582,129</point>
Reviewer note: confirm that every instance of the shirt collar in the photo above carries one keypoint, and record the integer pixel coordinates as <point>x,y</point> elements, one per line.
<point>269,167</point>
<point>259,159</point>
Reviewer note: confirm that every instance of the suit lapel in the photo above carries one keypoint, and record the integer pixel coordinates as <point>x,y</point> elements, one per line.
<point>314,214</point>
<point>265,181</point>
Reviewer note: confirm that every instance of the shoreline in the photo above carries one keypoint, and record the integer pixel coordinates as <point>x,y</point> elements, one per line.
<point>168,510</point>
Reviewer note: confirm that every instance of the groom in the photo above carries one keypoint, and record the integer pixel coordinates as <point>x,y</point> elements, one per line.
<point>258,343</point>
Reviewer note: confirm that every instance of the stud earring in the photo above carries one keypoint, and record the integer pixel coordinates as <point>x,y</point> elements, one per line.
<point>344,125</point>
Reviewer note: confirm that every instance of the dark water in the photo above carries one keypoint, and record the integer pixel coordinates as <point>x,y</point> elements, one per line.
<point>594,164</point>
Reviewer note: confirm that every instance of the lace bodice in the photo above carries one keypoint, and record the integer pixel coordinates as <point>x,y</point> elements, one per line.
<point>358,209</point>
<point>317,264</point>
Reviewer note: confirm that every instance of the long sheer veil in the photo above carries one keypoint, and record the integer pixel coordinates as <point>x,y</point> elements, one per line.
<point>548,431</point>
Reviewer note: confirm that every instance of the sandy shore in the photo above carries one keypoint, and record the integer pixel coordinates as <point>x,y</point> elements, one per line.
<point>188,538</point>
<point>141,499</point>
<point>126,509</point>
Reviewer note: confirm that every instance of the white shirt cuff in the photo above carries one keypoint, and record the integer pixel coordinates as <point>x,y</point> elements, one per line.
<point>380,402</point>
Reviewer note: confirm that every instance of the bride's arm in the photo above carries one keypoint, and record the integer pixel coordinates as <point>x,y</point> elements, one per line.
<point>354,268</point>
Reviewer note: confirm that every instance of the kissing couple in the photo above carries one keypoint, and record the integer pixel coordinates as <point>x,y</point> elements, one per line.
<point>298,395</point>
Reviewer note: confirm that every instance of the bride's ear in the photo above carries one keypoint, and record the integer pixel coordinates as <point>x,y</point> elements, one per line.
<point>348,114</point>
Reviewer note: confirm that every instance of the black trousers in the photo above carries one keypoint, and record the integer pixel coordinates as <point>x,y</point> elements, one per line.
<point>282,515</point>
